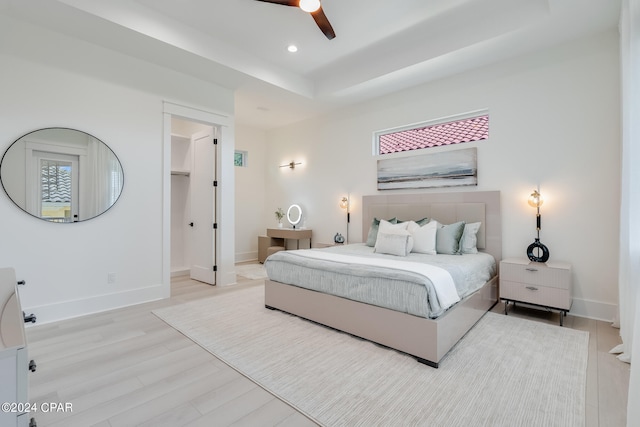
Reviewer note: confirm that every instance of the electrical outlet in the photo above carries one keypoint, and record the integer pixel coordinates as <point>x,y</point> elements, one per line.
<point>111,278</point>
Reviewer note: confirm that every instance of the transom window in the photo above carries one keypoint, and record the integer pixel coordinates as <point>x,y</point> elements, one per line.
<point>435,133</point>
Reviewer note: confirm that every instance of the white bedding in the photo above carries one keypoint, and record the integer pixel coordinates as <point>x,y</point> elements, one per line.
<point>442,281</point>
<point>375,283</point>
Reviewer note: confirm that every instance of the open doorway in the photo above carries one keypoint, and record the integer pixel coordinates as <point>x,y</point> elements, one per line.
<point>221,128</point>
<point>193,199</point>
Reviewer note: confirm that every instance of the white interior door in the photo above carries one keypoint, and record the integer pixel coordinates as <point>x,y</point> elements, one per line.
<point>55,180</point>
<point>203,210</point>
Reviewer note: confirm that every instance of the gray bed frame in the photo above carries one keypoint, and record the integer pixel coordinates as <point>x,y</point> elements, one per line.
<point>428,340</point>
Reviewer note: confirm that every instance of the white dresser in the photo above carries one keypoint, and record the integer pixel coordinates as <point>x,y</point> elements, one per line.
<point>14,364</point>
<point>542,284</point>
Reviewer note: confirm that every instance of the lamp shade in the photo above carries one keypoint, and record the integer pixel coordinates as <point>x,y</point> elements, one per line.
<point>535,199</point>
<point>344,203</point>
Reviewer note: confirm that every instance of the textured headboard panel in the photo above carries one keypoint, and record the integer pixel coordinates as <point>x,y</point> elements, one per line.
<point>446,208</point>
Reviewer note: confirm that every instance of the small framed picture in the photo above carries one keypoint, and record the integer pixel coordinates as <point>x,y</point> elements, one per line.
<point>240,158</point>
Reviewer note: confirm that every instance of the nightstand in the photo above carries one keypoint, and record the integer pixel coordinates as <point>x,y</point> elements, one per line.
<point>542,284</point>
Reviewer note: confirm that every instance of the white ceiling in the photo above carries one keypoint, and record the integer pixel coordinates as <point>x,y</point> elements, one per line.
<point>381,46</point>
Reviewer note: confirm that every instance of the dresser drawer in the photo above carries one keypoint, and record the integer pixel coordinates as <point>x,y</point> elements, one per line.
<point>536,274</point>
<point>535,294</point>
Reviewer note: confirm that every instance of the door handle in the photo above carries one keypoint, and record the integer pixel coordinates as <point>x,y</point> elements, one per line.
<point>190,224</point>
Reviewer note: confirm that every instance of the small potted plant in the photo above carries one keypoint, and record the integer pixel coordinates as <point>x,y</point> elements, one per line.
<point>279,215</point>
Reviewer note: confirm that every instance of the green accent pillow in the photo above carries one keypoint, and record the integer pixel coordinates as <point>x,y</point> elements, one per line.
<point>420,222</point>
<point>423,221</point>
<point>373,230</point>
<point>448,238</point>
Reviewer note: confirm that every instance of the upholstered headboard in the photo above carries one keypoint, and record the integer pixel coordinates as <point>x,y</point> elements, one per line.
<point>446,208</point>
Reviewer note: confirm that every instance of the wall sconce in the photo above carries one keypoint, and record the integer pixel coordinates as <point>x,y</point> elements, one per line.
<point>535,201</point>
<point>536,251</point>
<point>344,204</point>
<point>291,165</point>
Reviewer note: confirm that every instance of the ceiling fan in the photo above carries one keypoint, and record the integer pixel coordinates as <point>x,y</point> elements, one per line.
<point>314,8</point>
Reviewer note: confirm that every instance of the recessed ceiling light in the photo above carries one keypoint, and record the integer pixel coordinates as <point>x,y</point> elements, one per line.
<point>292,48</point>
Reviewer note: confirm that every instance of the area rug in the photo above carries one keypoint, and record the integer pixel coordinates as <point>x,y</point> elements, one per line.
<point>505,371</point>
<point>251,271</point>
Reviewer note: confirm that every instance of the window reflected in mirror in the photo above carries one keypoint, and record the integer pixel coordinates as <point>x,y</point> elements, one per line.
<point>61,175</point>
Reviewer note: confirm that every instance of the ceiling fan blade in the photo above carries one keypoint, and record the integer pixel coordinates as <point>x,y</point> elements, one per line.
<point>323,22</point>
<point>283,2</point>
<point>318,16</point>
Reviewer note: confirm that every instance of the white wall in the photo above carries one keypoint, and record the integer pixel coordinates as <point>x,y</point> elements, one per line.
<point>51,80</point>
<point>555,122</point>
<point>250,193</point>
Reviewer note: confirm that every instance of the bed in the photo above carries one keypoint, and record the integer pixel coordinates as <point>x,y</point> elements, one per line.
<point>308,283</point>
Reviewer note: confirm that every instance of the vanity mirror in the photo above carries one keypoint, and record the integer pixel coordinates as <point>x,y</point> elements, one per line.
<point>61,175</point>
<point>294,215</point>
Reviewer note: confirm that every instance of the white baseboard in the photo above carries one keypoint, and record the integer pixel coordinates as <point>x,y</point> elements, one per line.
<point>180,272</point>
<point>246,256</point>
<point>594,310</point>
<point>81,307</point>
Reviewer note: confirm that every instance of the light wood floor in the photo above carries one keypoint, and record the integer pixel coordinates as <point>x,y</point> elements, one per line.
<point>126,367</point>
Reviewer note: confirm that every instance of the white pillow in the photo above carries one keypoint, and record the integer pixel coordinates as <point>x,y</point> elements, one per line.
<point>424,238</point>
<point>397,243</point>
<point>388,227</point>
<point>469,240</point>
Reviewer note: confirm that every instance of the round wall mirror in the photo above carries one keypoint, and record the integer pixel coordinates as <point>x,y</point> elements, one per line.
<point>61,175</point>
<point>294,215</point>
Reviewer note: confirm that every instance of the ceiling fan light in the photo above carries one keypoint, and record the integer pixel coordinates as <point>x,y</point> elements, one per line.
<point>309,5</point>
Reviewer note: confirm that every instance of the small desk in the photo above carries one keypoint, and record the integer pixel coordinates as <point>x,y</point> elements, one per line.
<point>291,234</point>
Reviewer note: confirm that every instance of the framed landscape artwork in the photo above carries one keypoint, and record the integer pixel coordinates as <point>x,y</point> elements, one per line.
<point>443,169</point>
